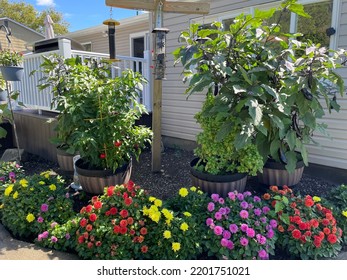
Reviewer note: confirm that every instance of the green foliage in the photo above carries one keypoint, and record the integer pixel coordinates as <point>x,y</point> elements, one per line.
<point>269,79</point>
<point>307,229</point>
<point>97,113</point>
<point>10,58</point>
<point>35,203</point>
<point>216,143</point>
<point>27,14</point>
<point>336,200</point>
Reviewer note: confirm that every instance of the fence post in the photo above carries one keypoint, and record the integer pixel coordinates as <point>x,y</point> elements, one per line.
<point>65,47</point>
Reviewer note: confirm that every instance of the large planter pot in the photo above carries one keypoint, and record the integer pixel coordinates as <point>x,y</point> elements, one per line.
<point>12,73</point>
<point>94,181</point>
<point>220,184</point>
<point>275,174</point>
<point>65,161</point>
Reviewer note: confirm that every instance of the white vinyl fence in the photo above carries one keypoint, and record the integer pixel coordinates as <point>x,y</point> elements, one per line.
<point>32,97</point>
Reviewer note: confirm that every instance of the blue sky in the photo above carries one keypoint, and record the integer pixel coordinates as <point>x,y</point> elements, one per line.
<point>81,13</point>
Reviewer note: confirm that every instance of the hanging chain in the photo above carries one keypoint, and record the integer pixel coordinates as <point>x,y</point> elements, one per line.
<point>111,12</point>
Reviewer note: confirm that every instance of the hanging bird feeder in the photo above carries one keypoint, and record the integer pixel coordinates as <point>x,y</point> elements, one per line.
<point>111,23</point>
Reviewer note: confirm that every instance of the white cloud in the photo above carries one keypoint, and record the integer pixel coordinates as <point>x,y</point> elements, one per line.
<point>45,3</point>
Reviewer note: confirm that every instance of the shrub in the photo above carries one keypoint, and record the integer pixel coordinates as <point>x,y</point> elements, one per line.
<point>336,200</point>
<point>307,229</point>
<point>240,227</point>
<point>217,155</point>
<point>176,234</point>
<point>112,226</point>
<point>33,203</point>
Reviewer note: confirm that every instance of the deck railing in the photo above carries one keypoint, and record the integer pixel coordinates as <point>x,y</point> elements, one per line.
<point>32,97</point>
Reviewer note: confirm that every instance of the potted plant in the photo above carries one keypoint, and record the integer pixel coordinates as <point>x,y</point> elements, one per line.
<point>103,110</point>
<point>219,167</point>
<point>10,65</point>
<point>272,81</point>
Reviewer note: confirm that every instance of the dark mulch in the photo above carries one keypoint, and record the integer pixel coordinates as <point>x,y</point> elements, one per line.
<point>175,174</point>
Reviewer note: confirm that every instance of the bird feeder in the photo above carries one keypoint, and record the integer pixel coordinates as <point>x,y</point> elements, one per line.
<point>111,23</point>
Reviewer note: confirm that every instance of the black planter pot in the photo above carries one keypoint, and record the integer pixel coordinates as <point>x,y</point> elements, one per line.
<point>12,73</point>
<point>275,174</point>
<point>94,181</point>
<point>220,184</point>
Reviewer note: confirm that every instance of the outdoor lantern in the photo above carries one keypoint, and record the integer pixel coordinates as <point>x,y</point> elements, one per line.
<point>160,45</point>
<point>111,23</point>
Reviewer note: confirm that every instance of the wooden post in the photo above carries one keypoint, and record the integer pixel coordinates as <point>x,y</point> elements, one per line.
<point>157,103</point>
<point>156,126</point>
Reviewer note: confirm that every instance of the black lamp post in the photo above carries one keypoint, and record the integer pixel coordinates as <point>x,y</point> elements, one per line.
<point>111,23</point>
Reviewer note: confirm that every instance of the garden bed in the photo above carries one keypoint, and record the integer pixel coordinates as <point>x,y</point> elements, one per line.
<point>167,183</point>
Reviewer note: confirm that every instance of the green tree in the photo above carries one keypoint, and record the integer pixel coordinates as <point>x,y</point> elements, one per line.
<point>29,16</point>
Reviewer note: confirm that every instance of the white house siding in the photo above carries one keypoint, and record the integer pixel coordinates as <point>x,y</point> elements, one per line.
<point>178,113</point>
<point>98,37</point>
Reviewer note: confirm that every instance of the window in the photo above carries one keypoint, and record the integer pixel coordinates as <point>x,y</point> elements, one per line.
<point>87,46</point>
<point>314,28</point>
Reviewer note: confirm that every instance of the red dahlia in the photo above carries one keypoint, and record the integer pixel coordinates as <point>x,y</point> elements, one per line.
<point>93,217</point>
<point>123,230</point>
<point>309,201</point>
<point>124,213</point>
<point>144,249</point>
<point>143,231</point>
<point>296,233</point>
<point>116,229</point>
<point>113,211</point>
<point>332,238</point>
<point>110,191</point>
<point>83,222</point>
<point>325,222</point>
<point>97,204</point>
<point>81,239</point>
<point>128,201</point>
<point>89,208</point>
<point>123,223</point>
<point>89,227</point>
<point>326,231</point>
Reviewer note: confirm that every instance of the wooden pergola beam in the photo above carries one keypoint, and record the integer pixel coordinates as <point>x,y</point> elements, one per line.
<point>184,7</point>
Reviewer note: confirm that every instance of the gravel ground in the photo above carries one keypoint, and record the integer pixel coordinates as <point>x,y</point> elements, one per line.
<point>175,174</point>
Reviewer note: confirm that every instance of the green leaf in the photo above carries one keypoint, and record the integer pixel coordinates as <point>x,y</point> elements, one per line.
<point>292,160</point>
<point>225,129</point>
<point>255,111</point>
<point>285,200</point>
<point>264,14</point>
<point>278,207</point>
<point>244,74</point>
<point>277,121</point>
<point>271,91</point>
<point>285,218</point>
<point>241,140</point>
<point>298,9</point>
<point>291,139</point>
